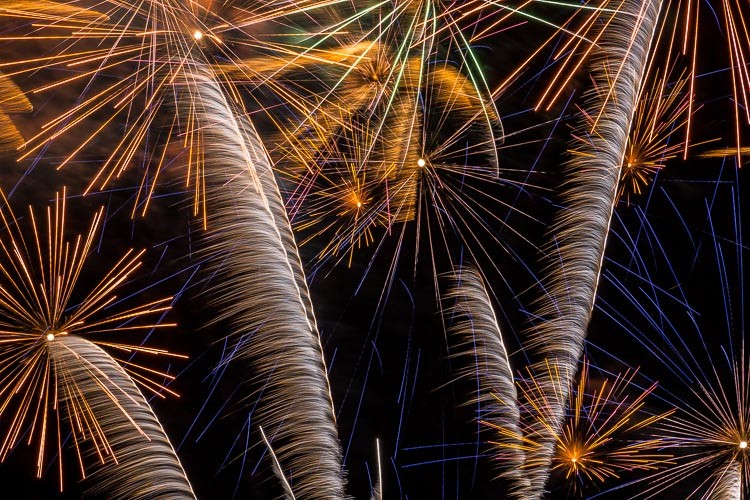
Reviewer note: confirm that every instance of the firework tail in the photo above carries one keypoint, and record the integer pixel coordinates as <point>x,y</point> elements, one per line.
<point>145,465</point>
<point>377,490</point>
<point>589,197</point>
<point>728,485</point>
<point>261,293</point>
<point>480,345</point>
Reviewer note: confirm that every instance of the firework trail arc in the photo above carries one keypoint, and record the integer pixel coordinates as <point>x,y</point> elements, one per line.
<point>589,195</point>
<point>145,465</point>
<point>262,294</point>
<point>480,343</point>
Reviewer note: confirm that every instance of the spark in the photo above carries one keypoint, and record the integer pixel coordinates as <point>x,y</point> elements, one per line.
<point>131,61</point>
<point>39,272</point>
<point>602,433</point>
<point>661,115</point>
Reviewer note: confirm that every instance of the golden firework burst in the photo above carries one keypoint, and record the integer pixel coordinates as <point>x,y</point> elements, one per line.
<point>601,436</point>
<point>39,271</point>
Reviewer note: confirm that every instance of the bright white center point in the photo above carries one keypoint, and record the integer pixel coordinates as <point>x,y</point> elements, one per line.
<point>421,162</point>
<point>359,204</point>
<point>197,35</point>
<point>575,460</point>
<point>743,444</point>
<point>50,337</point>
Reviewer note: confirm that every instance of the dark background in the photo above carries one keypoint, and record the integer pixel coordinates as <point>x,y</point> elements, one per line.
<point>384,339</point>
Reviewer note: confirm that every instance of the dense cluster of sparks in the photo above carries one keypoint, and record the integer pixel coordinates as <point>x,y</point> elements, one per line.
<point>662,115</point>
<point>602,435</point>
<point>710,437</point>
<point>40,267</point>
<point>382,124</point>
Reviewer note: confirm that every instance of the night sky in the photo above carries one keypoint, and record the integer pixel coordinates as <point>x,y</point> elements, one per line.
<point>670,302</point>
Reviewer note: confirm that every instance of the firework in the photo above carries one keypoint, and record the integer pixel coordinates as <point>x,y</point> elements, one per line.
<point>422,160</point>
<point>481,342</point>
<point>708,434</point>
<point>390,71</point>
<point>661,113</point>
<point>580,232</point>
<point>263,296</point>
<point>39,277</point>
<point>660,116</point>
<point>710,437</point>
<point>338,194</point>
<point>602,433</point>
<point>450,96</point>
<point>129,61</point>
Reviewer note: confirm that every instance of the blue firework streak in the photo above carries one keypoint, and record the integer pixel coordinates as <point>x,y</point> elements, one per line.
<point>700,347</point>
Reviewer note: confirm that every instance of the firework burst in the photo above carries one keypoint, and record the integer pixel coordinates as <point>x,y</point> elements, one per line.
<point>338,193</point>
<point>661,114</point>
<point>711,436</point>
<point>660,117</point>
<point>414,146</point>
<point>396,63</point>
<point>602,433</point>
<point>127,64</point>
<point>39,277</point>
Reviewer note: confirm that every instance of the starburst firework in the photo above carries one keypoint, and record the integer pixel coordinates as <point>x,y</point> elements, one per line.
<point>126,64</point>
<point>661,114</point>
<point>38,279</point>
<point>710,437</point>
<point>602,433</point>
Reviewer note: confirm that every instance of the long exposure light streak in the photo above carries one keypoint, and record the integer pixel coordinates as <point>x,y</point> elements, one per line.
<point>39,273</point>
<point>579,235</point>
